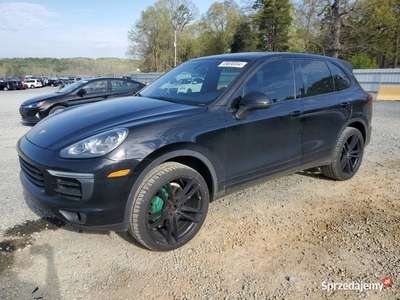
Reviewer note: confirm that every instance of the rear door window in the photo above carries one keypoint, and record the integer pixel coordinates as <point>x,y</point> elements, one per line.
<point>316,77</point>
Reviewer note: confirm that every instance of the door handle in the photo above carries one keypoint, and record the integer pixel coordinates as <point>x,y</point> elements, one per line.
<point>296,113</point>
<point>344,104</point>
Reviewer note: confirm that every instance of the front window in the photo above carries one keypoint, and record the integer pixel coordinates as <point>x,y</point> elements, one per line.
<point>196,82</point>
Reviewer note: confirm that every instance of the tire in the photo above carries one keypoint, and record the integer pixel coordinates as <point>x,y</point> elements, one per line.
<point>347,156</point>
<point>189,91</point>
<point>32,86</point>
<point>56,109</point>
<point>5,89</point>
<point>169,207</point>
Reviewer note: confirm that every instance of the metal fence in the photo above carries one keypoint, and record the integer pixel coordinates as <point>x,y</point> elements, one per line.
<point>371,79</point>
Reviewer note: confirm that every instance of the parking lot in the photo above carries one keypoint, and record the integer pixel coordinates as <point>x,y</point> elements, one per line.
<point>282,239</point>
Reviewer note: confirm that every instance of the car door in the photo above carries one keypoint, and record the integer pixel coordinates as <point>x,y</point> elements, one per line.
<point>325,112</point>
<point>268,140</point>
<point>92,91</point>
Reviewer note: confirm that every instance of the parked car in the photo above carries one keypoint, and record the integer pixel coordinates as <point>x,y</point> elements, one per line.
<point>186,85</point>
<point>33,83</point>
<point>53,82</point>
<point>81,92</point>
<point>7,85</point>
<point>18,84</point>
<point>151,164</point>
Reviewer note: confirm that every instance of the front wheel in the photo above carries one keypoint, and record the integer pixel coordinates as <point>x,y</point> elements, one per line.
<point>347,155</point>
<point>169,207</point>
<point>56,109</point>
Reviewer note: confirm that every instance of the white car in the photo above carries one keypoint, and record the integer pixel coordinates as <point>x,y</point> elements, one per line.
<point>186,85</point>
<point>33,83</point>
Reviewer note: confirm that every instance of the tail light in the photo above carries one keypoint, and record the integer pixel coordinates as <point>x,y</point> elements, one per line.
<point>370,99</point>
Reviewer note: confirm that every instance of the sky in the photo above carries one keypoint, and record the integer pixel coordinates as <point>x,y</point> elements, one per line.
<point>73,28</point>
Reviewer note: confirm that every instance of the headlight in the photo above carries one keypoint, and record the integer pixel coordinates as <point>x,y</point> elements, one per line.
<point>97,145</point>
<point>39,104</point>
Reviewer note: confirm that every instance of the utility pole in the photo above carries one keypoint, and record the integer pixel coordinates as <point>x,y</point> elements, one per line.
<point>175,49</point>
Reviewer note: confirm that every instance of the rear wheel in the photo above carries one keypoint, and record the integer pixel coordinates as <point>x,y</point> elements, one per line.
<point>169,208</point>
<point>347,156</point>
<point>6,88</point>
<point>32,86</point>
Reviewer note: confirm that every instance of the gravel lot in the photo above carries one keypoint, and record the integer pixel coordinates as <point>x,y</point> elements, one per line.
<point>283,239</point>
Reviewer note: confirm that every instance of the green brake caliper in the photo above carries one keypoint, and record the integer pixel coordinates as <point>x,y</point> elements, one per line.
<point>157,203</point>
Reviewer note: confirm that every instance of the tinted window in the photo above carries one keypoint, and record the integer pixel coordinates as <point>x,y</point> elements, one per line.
<point>123,85</point>
<point>316,78</point>
<point>340,79</point>
<point>275,79</point>
<point>96,86</point>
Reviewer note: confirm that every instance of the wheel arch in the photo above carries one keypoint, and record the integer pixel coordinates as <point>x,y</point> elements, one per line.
<point>361,126</point>
<point>189,154</point>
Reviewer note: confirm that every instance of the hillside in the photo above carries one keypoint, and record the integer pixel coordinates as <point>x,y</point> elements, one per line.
<point>78,66</point>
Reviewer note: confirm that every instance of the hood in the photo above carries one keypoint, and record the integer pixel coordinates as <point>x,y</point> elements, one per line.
<point>40,98</point>
<point>73,124</point>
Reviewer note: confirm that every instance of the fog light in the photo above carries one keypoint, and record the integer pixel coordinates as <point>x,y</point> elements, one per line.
<point>119,173</point>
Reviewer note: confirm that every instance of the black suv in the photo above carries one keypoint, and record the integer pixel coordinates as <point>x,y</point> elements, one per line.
<point>81,92</point>
<point>151,164</point>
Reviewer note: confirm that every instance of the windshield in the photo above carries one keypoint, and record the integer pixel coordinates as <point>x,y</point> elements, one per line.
<point>197,82</point>
<point>69,88</point>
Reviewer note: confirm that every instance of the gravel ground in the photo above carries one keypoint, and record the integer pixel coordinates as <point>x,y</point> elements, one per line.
<point>283,239</point>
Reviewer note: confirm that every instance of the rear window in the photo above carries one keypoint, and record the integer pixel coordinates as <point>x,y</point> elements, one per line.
<point>340,79</point>
<point>316,76</point>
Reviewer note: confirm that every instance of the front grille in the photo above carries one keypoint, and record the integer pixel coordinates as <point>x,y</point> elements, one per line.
<point>32,173</point>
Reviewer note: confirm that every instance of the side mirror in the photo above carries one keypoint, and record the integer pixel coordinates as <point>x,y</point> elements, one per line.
<point>81,92</point>
<point>252,101</point>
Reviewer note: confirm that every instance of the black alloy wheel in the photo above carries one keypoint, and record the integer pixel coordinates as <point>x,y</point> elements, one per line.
<point>347,156</point>
<point>170,207</point>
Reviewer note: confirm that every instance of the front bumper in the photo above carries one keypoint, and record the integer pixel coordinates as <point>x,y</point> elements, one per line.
<point>29,115</point>
<point>75,191</point>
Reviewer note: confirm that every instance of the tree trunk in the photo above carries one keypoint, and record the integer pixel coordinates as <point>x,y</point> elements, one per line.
<point>334,45</point>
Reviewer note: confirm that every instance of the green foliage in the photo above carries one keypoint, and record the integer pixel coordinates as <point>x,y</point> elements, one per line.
<point>152,37</point>
<point>67,67</point>
<point>273,18</point>
<point>363,61</point>
<point>245,37</point>
<point>218,27</point>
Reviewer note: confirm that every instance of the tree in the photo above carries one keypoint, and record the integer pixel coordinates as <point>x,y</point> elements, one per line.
<point>245,37</point>
<point>307,27</point>
<point>273,19</point>
<point>373,31</point>
<point>218,26</point>
<point>152,36</point>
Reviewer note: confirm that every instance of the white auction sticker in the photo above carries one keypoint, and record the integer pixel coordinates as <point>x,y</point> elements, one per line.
<point>233,64</point>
